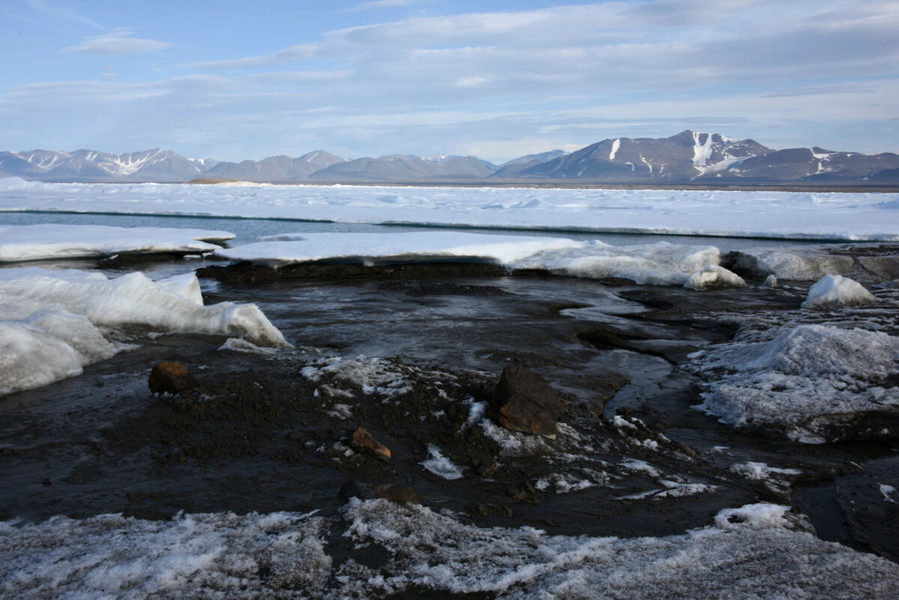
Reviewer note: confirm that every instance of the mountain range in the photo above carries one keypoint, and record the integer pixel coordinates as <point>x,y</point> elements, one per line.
<point>683,159</point>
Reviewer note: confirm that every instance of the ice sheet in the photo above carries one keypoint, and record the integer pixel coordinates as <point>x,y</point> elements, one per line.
<point>820,215</point>
<point>45,241</point>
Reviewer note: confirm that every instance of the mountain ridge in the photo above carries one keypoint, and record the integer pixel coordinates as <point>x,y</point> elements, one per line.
<point>689,157</point>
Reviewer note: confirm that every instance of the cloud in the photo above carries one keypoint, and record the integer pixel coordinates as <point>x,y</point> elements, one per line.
<point>117,42</point>
<point>292,54</point>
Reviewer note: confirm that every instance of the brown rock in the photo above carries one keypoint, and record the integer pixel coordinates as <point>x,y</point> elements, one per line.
<point>364,442</point>
<point>523,401</point>
<point>172,378</point>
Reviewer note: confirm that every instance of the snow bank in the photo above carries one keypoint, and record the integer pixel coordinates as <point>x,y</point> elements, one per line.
<point>751,552</point>
<point>832,291</point>
<point>46,241</point>
<point>53,319</point>
<point>790,215</point>
<point>806,381</point>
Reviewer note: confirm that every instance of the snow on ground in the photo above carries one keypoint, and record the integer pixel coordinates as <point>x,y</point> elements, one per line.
<point>820,215</point>
<point>53,322</point>
<point>38,242</point>
<point>800,381</point>
<point>751,552</point>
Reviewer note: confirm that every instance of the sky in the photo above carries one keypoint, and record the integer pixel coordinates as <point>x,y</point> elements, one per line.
<point>235,80</point>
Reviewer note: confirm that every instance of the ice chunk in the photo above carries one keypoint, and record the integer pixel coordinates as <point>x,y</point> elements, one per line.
<point>440,465</point>
<point>805,380</point>
<point>186,286</point>
<point>53,319</point>
<point>651,264</point>
<point>712,277</point>
<point>835,290</point>
<point>48,345</point>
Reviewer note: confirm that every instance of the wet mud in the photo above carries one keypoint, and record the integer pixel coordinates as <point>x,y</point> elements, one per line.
<point>412,353</point>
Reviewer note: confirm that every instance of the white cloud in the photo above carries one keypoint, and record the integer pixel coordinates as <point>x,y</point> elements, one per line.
<point>117,42</point>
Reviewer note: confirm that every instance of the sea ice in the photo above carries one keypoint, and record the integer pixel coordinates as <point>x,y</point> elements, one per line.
<point>47,241</point>
<point>792,215</point>
<point>502,249</point>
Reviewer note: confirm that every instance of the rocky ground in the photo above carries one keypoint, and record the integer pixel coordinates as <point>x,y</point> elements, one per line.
<point>413,355</point>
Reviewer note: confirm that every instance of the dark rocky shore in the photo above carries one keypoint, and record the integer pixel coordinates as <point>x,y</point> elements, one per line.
<point>413,354</point>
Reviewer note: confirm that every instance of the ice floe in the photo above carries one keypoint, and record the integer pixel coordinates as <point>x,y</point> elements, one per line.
<point>20,243</point>
<point>306,247</point>
<point>810,380</point>
<point>54,322</point>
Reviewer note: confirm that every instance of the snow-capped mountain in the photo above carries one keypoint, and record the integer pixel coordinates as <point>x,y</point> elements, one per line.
<point>91,165</point>
<point>686,158</point>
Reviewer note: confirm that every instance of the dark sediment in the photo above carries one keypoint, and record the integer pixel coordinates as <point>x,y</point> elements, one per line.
<point>257,434</point>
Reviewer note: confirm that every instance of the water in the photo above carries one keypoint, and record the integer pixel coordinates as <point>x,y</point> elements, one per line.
<point>249,230</point>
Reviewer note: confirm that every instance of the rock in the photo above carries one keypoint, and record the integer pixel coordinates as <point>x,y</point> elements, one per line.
<point>523,401</point>
<point>398,494</point>
<point>171,378</point>
<point>365,443</point>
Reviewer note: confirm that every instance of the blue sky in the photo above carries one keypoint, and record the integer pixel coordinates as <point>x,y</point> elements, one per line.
<point>237,79</point>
